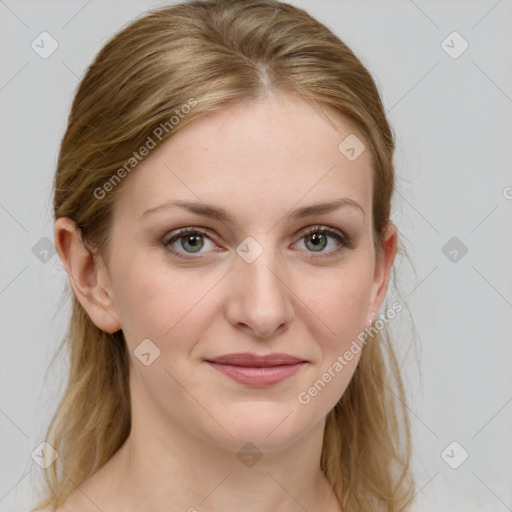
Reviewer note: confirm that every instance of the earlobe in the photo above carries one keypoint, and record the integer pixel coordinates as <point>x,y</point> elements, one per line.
<point>87,275</point>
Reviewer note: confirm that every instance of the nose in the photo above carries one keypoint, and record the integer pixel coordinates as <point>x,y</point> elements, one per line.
<point>259,298</point>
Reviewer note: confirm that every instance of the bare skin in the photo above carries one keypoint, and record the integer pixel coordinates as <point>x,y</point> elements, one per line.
<point>259,161</point>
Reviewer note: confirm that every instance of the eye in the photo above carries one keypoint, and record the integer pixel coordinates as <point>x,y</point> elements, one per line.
<point>316,239</point>
<point>190,240</point>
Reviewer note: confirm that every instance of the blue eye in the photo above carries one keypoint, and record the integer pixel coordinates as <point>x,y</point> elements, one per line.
<point>188,241</point>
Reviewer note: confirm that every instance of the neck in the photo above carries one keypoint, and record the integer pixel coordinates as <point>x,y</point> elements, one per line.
<point>162,465</point>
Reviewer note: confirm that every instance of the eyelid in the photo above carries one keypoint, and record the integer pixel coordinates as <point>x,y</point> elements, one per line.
<point>176,234</point>
<point>343,239</point>
<point>333,232</point>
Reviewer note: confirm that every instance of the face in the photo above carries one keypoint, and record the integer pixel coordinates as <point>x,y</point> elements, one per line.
<point>267,278</point>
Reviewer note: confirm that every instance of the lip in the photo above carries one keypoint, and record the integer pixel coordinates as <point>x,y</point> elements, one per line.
<point>255,370</point>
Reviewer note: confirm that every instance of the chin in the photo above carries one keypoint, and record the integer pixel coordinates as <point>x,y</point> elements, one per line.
<point>268,428</point>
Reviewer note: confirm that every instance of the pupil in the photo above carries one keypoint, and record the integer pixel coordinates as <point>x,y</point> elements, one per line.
<point>194,241</point>
<point>318,240</point>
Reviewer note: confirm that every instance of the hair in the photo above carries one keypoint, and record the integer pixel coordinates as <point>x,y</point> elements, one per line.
<point>218,53</point>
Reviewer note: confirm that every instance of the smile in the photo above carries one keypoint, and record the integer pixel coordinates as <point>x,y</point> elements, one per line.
<point>258,376</point>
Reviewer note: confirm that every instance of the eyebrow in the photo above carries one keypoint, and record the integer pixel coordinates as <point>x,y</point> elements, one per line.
<point>223,215</point>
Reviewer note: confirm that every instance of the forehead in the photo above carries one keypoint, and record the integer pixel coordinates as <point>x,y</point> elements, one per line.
<point>256,157</point>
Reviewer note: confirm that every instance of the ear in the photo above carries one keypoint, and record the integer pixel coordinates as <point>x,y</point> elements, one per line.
<point>383,264</point>
<point>87,274</point>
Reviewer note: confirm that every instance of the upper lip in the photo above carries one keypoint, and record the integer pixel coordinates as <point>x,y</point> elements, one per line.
<point>255,360</point>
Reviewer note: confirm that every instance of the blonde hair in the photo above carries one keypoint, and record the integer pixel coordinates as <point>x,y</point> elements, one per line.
<point>219,53</point>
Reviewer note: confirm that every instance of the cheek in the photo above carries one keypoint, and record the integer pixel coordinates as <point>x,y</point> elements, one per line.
<point>340,306</point>
<point>152,299</point>
<point>339,300</point>
<point>156,301</point>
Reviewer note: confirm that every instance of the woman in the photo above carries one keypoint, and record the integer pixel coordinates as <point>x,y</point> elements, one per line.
<point>222,205</point>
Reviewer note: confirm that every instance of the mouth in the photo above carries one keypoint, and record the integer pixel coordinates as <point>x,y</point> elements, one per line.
<point>257,371</point>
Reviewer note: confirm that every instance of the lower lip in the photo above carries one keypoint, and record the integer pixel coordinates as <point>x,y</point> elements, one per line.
<point>260,376</point>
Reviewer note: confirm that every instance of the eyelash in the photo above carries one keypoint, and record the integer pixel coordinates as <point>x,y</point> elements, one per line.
<point>344,241</point>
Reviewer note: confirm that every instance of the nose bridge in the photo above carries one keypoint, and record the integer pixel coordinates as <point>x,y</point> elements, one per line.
<point>263,300</point>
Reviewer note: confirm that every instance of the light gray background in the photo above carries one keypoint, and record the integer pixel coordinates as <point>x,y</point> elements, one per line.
<point>453,121</point>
